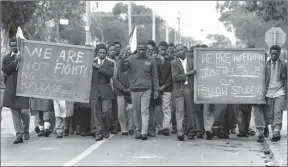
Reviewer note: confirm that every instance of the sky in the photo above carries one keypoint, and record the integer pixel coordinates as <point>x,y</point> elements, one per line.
<point>194,16</point>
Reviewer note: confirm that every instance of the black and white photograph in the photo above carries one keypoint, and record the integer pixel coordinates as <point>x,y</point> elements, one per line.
<point>144,83</point>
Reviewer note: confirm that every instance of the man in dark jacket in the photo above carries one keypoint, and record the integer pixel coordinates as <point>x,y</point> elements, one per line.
<point>165,82</point>
<point>19,105</point>
<point>101,93</point>
<point>276,94</point>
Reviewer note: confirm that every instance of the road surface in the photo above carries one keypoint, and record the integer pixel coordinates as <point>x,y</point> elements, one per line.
<point>125,150</point>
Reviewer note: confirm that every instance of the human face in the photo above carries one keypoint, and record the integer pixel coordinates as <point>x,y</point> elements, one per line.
<point>118,47</point>
<point>274,55</point>
<point>180,52</point>
<point>112,51</point>
<point>150,50</point>
<point>13,47</point>
<point>163,50</point>
<point>141,49</point>
<point>102,53</point>
<point>128,50</point>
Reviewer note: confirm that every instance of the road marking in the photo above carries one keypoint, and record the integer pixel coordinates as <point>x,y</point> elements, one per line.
<point>86,152</point>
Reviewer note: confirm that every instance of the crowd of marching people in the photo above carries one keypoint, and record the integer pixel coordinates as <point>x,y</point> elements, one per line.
<point>142,94</point>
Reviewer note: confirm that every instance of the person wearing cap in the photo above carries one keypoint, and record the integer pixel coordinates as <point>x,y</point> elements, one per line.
<point>142,75</point>
<point>101,93</point>
<point>276,96</point>
<point>19,105</point>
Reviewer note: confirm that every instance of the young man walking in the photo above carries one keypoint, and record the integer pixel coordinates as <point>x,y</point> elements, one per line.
<point>142,76</point>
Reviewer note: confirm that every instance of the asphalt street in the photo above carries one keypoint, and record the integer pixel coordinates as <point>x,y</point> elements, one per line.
<point>126,151</point>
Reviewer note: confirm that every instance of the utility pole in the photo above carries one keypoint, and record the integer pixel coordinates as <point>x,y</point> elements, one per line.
<point>175,36</point>
<point>179,29</point>
<point>167,25</point>
<point>129,19</point>
<point>88,24</point>
<point>153,22</point>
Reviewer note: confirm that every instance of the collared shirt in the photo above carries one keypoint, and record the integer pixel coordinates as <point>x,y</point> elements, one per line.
<point>99,61</point>
<point>275,88</point>
<point>12,54</point>
<point>184,64</point>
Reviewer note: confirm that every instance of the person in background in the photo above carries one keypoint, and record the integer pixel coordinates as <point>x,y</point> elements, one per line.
<point>142,76</point>
<point>163,61</point>
<point>84,111</point>
<point>44,109</point>
<point>182,75</point>
<point>276,94</point>
<point>155,104</point>
<point>125,107</point>
<point>2,88</point>
<point>118,48</point>
<point>244,119</point>
<point>101,93</point>
<point>19,105</point>
<point>171,48</point>
<point>63,113</point>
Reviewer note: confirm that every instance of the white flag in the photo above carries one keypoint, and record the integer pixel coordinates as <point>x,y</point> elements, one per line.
<point>133,43</point>
<point>19,33</point>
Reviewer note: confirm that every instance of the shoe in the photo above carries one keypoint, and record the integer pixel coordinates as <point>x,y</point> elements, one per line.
<point>77,133</point>
<point>41,133</point>
<point>260,139</point>
<point>199,135</point>
<point>66,132</point>
<point>276,137</point>
<point>181,138</point>
<point>131,132</point>
<point>18,140</point>
<point>223,136</point>
<point>166,132</point>
<point>113,131</point>
<point>37,130</point>
<point>144,137</point>
<point>124,133</point>
<point>47,132</point>
<point>190,137</point>
<point>26,135</point>
<point>174,131</point>
<point>83,134</point>
<point>106,135</point>
<point>138,136</point>
<point>209,135</point>
<point>252,133</point>
<point>242,134</point>
<point>151,134</point>
<point>266,132</point>
<point>99,137</point>
<point>160,132</point>
<point>59,135</point>
<point>88,134</point>
<point>71,131</point>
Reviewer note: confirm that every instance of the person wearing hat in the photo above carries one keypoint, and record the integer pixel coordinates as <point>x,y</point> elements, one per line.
<point>19,105</point>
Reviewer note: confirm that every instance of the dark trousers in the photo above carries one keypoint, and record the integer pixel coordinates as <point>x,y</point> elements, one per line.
<point>101,112</point>
<point>227,117</point>
<point>244,122</point>
<point>75,122</point>
<point>84,119</point>
<point>114,115</point>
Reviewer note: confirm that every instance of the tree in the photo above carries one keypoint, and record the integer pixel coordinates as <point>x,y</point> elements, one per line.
<point>247,27</point>
<point>142,17</point>
<point>219,41</point>
<point>269,11</point>
<point>53,11</point>
<point>15,14</point>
